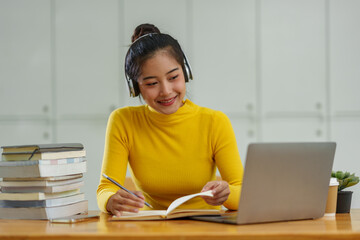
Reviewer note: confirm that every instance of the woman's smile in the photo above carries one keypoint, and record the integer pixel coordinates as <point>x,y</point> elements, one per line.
<point>167,102</point>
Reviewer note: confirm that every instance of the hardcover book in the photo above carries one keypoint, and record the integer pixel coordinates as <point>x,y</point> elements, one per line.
<point>43,147</point>
<point>23,156</point>
<point>36,195</point>
<point>44,212</point>
<point>44,189</point>
<point>51,170</point>
<point>41,162</point>
<point>37,183</point>
<point>51,178</point>
<point>43,203</point>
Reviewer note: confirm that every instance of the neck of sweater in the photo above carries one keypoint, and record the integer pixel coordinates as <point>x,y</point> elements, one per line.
<point>187,110</point>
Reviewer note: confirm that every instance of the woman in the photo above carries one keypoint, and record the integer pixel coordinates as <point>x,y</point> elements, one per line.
<point>172,145</point>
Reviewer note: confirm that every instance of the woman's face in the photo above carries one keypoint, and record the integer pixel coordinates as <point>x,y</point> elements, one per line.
<point>162,83</point>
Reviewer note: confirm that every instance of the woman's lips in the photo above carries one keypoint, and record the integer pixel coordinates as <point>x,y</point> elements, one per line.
<point>167,102</point>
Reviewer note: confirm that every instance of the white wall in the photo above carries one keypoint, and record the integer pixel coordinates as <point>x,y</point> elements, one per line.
<point>282,70</point>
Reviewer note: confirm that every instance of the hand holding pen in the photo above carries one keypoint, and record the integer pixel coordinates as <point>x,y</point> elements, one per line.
<point>125,200</point>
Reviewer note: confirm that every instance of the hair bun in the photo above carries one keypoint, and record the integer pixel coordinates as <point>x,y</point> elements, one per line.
<point>144,29</point>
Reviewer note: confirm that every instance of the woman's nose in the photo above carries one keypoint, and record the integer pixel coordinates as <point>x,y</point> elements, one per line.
<point>165,88</point>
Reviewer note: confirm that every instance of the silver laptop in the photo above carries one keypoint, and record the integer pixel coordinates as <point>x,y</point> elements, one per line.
<point>282,182</point>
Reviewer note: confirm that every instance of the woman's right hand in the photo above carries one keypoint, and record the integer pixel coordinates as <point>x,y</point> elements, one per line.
<point>123,201</point>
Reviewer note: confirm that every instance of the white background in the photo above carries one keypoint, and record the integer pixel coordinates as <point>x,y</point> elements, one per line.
<point>282,70</point>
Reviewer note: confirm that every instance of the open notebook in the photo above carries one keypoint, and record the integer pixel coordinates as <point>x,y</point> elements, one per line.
<point>171,212</point>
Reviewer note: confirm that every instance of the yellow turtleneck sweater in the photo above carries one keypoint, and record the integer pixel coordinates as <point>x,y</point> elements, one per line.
<point>170,155</point>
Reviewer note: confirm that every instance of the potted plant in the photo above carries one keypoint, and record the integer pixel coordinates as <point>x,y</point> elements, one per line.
<point>345,180</point>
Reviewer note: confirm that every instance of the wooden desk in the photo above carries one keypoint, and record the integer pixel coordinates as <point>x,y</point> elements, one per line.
<point>343,226</point>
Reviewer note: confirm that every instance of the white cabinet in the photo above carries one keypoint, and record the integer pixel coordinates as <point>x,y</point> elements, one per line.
<point>346,133</point>
<point>92,135</point>
<point>25,66</point>
<point>223,61</point>
<point>86,57</point>
<point>293,70</point>
<point>170,16</point>
<point>245,132</point>
<point>293,129</point>
<point>344,87</point>
<point>345,57</point>
<point>292,48</point>
<point>223,56</point>
<point>19,132</point>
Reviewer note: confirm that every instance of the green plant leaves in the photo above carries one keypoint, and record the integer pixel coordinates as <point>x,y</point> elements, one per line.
<point>339,175</point>
<point>345,179</point>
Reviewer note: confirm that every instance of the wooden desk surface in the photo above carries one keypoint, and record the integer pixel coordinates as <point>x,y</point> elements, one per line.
<point>343,226</point>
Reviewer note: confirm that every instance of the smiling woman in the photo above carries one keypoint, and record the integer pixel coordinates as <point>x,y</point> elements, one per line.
<point>172,145</point>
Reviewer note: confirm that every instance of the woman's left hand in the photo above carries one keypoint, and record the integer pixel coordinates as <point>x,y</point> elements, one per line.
<point>220,190</point>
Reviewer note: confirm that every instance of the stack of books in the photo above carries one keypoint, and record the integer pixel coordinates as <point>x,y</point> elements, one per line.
<point>42,181</point>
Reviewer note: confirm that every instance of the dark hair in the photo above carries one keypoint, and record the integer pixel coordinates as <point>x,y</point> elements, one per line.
<point>144,29</point>
<point>146,41</point>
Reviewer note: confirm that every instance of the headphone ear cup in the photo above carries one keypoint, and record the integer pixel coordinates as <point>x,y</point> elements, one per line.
<point>132,86</point>
<point>136,88</point>
<point>188,73</point>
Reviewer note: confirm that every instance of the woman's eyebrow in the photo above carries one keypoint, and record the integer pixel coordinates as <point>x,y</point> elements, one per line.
<point>149,77</point>
<point>172,70</point>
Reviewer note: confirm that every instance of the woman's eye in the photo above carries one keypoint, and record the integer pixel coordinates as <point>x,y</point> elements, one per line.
<point>151,84</point>
<point>173,78</point>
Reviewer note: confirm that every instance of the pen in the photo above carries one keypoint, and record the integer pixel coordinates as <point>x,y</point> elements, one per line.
<point>123,188</point>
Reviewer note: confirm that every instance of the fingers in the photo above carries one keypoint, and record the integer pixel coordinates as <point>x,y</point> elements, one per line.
<point>139,194</point>
<point>123,201</point>
<point>116,213</point>
<point>220,191</point>
<point>210,186</point>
